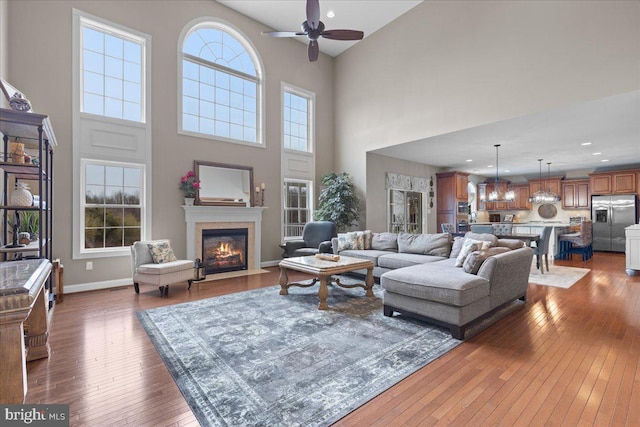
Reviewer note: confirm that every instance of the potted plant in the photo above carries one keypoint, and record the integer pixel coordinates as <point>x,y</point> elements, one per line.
<point>188,185</point>
<point>29,225</point>
<point>338,201</point>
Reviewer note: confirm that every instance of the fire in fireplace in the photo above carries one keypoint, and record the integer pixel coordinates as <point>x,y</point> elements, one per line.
<point>224,249</point>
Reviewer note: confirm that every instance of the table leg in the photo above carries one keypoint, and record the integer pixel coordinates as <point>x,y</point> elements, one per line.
<point>323,293</point>
<point>284,280</point>
<point>38,335</point>
<point>369,282</point>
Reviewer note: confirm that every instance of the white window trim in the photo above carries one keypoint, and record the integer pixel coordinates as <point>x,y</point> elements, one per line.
<point>77,152</point>
<point>311,118</point>
<point>310,199</point>
<point>96,252</point>
<point>212,22</point>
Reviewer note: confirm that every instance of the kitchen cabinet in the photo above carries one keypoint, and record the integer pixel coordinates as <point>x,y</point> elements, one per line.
<point>615,182</point>
<point>632,250</point>
<point>552,184</point>
<point>451,192</point>
<point>575,194</point>
<point>521,202</point>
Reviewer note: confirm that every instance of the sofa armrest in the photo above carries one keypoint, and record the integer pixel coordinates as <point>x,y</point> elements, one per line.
<point>334,245</point>
<point>291,246</point>
<point>325,247</point>
<point>508,273</point>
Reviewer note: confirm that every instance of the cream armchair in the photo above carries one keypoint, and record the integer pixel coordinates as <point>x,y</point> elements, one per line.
<point>153,262</point>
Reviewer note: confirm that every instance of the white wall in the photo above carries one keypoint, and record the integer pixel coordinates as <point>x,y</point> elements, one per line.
<point>39,63</point>
<point>451,65</point>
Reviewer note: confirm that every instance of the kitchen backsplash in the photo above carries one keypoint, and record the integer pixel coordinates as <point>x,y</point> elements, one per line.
<point>525,216</point>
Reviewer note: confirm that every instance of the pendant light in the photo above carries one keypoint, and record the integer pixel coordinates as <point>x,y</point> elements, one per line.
<point>496,195</point>
<point>544,196</point>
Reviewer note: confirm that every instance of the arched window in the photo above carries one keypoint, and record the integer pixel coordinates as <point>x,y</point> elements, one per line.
<point>221,79</point>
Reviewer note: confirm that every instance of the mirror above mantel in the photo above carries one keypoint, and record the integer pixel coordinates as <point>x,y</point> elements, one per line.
<point>223,184</point>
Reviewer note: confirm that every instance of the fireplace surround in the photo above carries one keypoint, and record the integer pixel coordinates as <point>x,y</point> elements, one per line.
<point>200,218</point>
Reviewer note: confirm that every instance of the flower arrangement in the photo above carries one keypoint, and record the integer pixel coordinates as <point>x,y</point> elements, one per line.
<point>189,184</point>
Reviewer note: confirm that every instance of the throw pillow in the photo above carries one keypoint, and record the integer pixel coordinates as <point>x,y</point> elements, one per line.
<point>350,240</point>
<point>384,241</point>
<point>425,244</point>
<point>469,246</point>
<point>368,237</point>
<point>474,260</point>
<point>456,247</point>
<point>161,252</point>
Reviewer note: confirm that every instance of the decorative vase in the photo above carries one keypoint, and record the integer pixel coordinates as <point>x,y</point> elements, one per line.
<point>21,196</point>
<point>24,238</point>
<point>188,201</point>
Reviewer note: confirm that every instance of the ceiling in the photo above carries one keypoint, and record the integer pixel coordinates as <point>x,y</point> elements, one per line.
<point>288,15</point>
<point>611,125</point>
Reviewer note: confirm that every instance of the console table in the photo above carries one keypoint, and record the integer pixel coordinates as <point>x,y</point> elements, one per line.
<point>23,300</point>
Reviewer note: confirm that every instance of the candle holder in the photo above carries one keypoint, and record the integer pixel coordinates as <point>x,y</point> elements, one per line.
<point>260,195</point>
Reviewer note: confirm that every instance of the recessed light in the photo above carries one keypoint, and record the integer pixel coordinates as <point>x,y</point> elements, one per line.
<point>586,143</point>
<point>507,170</point>
<point>469,160</point>
<point>604,160</point>
<point>330,13</point>
<point>597,154</point>
<point>489,166</point>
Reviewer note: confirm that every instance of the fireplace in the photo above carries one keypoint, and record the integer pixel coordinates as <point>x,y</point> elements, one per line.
<point>225,249</point>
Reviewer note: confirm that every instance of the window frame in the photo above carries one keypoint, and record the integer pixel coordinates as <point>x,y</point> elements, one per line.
<point>311,101</point>
<point>87,21</point>
<point>83,205</point>
<point>309,185</point>
<point>108,139</point>
<point>222,25</point>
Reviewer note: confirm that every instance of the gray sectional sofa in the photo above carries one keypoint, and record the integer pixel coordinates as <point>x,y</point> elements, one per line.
<point>425,275</point>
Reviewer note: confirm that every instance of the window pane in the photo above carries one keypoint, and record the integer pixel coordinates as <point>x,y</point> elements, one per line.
<point>93,40</point>
<point>131,235</point>
<point>94,194</point>
<point>113,67</point>
<point>93,83</point>
<point>114,175</point>
<point>132,217</point>
<point>216,85</point>
<point>114,237</point>
<point>113,195</point>
<point>93,104</point>
<point>113,46</point>
<point>94,217</point>
<point>132,72</point>
<point>94,238</point>
<point>113,88</point>
<point>93,62</point>
<point>132,177</point>
<point>113,108</point>
<point>114,217</point>
<point>132,52</point>
<point>131,196</point>
<point>94,174</point>
<point>131,112</point>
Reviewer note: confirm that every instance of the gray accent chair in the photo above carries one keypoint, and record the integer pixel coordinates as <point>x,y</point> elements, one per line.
<point>542,249</point>
<point>482,229</point>
<point>316,238</point>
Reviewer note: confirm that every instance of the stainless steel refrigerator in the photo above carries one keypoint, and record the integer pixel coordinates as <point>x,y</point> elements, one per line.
<point>610,216</point>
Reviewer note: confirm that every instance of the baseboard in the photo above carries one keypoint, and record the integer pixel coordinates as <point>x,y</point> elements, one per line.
<point>94,286</point>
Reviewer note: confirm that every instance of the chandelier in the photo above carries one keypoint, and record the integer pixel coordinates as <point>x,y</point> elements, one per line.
<point>542,196</point>
<point>497,195</point>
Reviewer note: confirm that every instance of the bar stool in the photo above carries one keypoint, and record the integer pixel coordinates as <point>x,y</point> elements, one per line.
<point>580,242</point>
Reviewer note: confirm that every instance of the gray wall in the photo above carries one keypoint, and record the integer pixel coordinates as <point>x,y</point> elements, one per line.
<point>451,65</point>
<point>376,201</point>
<point>40,65</point>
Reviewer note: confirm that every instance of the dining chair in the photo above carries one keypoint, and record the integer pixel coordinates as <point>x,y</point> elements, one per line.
<point>502,229</point>
<point>448,227</point>
<point>479,228</point>
<point>542,249</point>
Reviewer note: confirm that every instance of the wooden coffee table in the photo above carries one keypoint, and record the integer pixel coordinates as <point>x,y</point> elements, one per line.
<point>324,270</point>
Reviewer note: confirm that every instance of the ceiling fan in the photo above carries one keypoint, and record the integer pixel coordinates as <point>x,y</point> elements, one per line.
<point>314,28</point>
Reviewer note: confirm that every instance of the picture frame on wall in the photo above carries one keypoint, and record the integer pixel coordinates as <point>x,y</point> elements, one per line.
<point>508,218</point>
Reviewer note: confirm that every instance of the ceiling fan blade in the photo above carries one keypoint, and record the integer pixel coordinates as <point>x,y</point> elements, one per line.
<point>313,50</point>
<point>342,34</point>
<point>313,13</point>
<point>282,33</point>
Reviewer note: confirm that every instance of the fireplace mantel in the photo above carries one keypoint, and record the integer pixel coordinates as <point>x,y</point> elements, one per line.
<point>195,215</point>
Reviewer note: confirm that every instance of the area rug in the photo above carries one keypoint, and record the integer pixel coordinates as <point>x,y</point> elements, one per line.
<point>258,358</point>
<point>557,276</point>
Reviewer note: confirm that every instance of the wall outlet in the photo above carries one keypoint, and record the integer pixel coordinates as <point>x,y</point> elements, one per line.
<point>89,265</point>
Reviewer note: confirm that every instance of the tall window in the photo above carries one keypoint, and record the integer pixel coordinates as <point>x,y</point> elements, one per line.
<point>112,205</point>
<point>111,148</point>
<point>112,72</point>
<point>297,106</point>
<point>221,84</point>
<point>297,207</point>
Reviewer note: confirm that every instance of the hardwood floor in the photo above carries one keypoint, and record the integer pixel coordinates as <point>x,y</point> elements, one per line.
<point>569,357</point>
